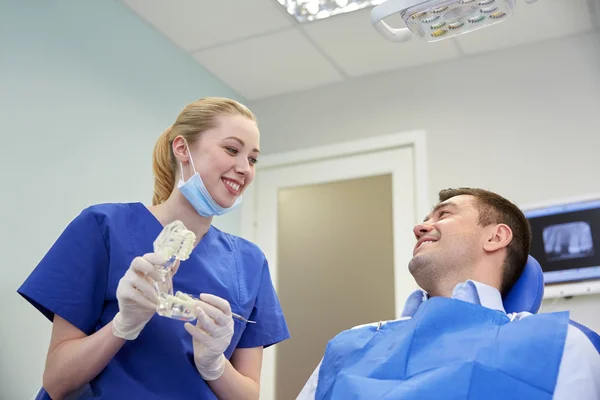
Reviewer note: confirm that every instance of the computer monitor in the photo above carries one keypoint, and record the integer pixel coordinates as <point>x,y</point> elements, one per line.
<point>566,240</point>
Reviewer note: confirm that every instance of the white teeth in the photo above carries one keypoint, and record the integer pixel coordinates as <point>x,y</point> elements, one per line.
<point>427,241</point>
<point>233,185</point>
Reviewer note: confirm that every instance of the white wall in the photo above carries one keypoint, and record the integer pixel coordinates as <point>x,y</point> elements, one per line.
<point>85,89</point>
<point>522,122</point>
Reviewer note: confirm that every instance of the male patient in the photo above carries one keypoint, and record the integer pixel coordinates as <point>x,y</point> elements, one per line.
<point>454,340</point>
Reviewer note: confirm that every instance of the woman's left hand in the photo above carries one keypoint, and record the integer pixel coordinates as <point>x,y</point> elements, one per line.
<point>211,335</point>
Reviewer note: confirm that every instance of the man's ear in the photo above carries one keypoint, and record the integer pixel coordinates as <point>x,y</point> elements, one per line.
<point>500,236</point>
<point>180,150</point>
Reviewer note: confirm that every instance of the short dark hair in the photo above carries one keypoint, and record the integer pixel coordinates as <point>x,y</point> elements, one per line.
<point>495,209</point>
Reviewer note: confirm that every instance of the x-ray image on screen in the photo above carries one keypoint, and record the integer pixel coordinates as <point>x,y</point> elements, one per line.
<point>568,241</point>
<point>563,240</point>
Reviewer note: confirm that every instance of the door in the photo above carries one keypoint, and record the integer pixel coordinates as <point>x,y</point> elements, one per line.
<point>338,236</point>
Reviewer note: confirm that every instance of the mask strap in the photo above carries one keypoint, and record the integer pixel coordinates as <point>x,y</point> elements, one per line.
<point>191,162</point>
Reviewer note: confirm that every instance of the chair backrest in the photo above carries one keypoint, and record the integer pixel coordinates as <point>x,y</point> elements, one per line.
<point>528,292</point>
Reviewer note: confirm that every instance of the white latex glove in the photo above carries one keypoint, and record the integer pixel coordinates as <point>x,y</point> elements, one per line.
<point>136,295</point>
<point>211,335</point>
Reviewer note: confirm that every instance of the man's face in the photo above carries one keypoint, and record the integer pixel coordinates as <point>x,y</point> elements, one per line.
<point>449,241</point>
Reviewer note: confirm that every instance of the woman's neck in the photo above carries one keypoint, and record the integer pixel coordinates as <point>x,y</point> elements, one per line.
<point>176,207</point>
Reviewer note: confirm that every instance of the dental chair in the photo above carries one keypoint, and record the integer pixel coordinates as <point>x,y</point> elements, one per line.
<point>527,295</point>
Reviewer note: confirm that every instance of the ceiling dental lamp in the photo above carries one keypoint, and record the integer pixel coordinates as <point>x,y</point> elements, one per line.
<point>436,20</point>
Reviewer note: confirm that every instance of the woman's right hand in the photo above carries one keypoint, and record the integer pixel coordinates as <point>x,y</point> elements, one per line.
<point>74,358</point>
<point>136,295</point>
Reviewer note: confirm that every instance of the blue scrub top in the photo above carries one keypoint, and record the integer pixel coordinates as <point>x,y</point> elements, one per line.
<point>78,277</point>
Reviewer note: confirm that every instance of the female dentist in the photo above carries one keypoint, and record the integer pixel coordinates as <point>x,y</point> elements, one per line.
<point>95,283</point>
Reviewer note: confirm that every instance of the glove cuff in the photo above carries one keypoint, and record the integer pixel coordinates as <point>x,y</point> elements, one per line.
<point>213,370</point>
<point>121,330</point>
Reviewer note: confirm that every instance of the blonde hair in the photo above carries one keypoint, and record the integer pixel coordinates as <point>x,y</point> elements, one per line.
<point>195,118</point>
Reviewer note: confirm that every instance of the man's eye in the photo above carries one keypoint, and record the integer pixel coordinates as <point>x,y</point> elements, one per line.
<point>442,213</point>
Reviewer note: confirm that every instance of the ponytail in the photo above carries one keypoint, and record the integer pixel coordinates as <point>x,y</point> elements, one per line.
<point>163,166</point>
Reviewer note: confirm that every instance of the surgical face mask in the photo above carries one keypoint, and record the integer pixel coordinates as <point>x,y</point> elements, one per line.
<point>197,194</point>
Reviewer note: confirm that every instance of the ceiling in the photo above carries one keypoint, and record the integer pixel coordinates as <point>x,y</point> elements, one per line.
<point>260,51</point>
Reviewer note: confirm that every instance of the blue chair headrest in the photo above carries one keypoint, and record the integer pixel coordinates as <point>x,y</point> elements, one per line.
<point>528,292</point>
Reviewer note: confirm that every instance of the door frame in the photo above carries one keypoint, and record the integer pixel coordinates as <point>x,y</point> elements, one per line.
<point>248,223</point>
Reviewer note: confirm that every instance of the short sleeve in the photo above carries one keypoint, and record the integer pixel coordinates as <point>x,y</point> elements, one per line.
<point>70,280</point>
<point>270,327</point>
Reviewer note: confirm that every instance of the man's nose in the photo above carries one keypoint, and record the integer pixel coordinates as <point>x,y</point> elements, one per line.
<point>421,229</point>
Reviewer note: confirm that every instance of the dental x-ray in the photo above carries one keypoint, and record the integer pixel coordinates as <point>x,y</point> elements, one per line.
<point>568,241</point>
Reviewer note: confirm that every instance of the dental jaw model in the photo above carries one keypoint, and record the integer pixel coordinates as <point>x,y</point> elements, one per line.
<point>175,242</point>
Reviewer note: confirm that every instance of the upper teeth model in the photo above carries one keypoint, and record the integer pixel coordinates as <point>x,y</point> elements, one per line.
<point>175,242</point>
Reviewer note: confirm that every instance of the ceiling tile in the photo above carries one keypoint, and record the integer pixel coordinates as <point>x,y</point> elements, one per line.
<point>542,20</point>
<point>193,24</point>
<point>269,65</point>
<point>354,44</point>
